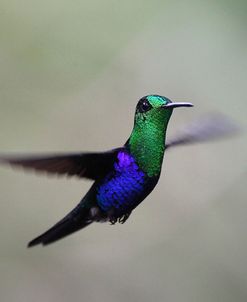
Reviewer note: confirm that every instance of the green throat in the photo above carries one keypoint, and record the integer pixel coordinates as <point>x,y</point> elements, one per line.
<point>147,140</point>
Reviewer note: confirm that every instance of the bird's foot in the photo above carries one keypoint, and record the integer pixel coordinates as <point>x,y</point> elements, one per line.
<point>113,220</point>
<point>123,218</point>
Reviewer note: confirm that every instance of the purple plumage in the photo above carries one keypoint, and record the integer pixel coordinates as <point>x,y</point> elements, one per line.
<point>123,188</point>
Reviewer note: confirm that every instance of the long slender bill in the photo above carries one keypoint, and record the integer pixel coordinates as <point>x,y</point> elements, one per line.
<point>180,104</point>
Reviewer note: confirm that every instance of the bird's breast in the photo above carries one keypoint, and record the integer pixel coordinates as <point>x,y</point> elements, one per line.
<point>123,188</point>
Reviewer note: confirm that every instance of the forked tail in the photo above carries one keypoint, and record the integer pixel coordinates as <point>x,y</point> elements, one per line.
<point>77,219</point>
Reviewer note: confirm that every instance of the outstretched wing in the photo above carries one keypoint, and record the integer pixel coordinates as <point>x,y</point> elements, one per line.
<point>211,127</point>
<point>87,165</point>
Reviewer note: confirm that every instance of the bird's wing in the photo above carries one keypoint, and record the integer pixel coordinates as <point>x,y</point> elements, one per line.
<point>87,165</point>
<point>210,127</point>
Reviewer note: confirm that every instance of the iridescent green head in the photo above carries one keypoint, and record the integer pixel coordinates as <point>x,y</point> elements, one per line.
<point>156,107</point>
<point>147,140</point>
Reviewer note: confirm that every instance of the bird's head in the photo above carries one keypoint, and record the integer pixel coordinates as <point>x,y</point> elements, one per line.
<point>156,109</point>
<point>147,140</point>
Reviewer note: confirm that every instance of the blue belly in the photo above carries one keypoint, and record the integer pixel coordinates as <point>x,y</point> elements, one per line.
<point>124,187</point>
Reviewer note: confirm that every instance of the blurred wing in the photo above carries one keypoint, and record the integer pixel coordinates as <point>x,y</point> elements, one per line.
<point>211,127</point>
<point>88,165</point>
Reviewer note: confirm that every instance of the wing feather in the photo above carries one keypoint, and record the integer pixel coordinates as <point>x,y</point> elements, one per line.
<point>211,127</point>
<point>87,165</point>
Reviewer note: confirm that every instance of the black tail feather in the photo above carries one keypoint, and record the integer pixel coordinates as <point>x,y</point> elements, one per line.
<point>74,221</point>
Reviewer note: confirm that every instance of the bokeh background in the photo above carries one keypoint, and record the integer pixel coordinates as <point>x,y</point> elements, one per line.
<point>71,73</point>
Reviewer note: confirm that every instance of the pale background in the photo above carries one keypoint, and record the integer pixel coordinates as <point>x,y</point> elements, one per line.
<point>71,73</point>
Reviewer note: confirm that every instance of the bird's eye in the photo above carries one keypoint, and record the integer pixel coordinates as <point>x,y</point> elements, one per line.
<point>144,106</point>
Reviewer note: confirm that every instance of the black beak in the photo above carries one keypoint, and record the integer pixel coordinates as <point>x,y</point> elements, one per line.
<point>180,104</point>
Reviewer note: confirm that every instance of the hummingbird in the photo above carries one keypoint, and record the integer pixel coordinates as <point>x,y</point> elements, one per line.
<point>122,177</point>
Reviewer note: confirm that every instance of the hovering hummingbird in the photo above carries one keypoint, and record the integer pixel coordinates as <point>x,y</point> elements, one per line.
<point>123,177</point>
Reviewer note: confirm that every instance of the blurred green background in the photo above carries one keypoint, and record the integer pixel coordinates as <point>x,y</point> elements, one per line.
<point>70,76</point>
